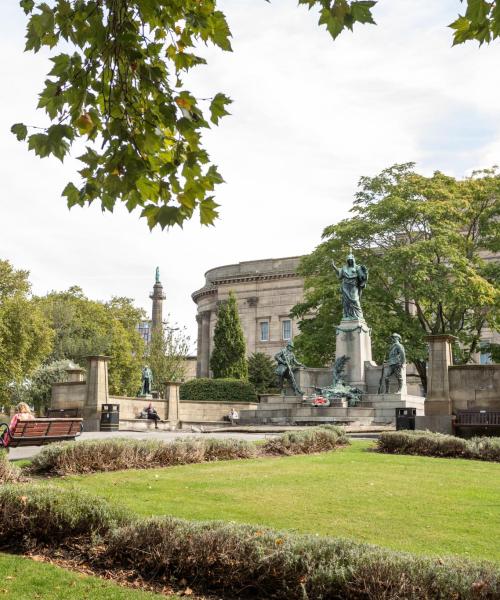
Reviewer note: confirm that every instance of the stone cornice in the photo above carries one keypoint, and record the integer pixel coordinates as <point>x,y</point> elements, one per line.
<point>212,289</point>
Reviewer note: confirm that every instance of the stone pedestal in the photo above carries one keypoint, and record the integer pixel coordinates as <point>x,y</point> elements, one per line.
<point>97,391</point>
<point>173,402</point>
<point>438,383</point>
<point>354,341</point>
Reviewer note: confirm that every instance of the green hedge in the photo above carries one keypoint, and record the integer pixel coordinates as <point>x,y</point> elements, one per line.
<point>218,390</point>
<point>426,443</point>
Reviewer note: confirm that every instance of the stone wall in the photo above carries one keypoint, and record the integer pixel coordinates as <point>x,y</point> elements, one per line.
<point>70,394</point>
<point>198,412</point>
<point>474,386</point>
<point>130,408</point>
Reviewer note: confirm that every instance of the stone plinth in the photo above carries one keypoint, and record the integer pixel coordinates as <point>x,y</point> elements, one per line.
<point>354,341</point>
<point>97,391</point>
<point>75,375</point>
<point>173,401</point>
<point>438,383</point>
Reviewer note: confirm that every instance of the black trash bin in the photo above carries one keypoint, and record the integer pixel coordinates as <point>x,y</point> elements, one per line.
<point>110,417</point>
<point>405,418</point>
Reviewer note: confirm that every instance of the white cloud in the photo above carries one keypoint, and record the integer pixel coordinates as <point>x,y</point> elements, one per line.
<point>309,118</point>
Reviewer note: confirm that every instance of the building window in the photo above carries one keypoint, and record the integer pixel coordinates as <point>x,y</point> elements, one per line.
<point>144,329</point>
<point>286,329</point>
<point>264,331</point>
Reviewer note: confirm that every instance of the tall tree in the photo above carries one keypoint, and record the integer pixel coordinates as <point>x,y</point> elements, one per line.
<point>229,355</point>
<point>84,327</point>
<point>262,372</point>
<point>426,242</point>
<point>25,336</point>
<point>117,83</point>
<point>167,354</point>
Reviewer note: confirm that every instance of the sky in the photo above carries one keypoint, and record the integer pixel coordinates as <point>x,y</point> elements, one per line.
<point>310,117</point>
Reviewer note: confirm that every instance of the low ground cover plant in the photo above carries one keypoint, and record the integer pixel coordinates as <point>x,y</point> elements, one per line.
<point>306,441</point>
<point>90,456</point>
<point>42,514</point>
<point>426,443</point>
<point>234,560</point>
<point>8,472</point>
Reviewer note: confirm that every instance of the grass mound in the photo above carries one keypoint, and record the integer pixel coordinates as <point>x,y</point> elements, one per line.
<point>32,513</point>
<point>426,443</point>
<point>306,441</point>
<point>8,472</point>
<point>240,560</point>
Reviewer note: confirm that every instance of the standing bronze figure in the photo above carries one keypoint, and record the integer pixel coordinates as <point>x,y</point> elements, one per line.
<point>353,279</point>
<point>394,365</point>
<point>287,365</point>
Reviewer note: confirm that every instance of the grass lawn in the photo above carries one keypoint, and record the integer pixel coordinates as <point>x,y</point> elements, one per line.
<point>423,505</point>
<point>25,579</point>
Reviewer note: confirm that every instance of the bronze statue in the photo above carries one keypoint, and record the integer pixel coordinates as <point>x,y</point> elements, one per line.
<point>147,382</point>
<point>353,280</point>
<point>287,365</point>
<point>394,365</point>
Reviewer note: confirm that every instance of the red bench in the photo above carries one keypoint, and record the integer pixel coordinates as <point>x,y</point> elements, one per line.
<point>40,432</point>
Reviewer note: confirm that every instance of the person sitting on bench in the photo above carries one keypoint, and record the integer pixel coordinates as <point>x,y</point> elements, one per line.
<point>23,413</point>
<point>152,414</point>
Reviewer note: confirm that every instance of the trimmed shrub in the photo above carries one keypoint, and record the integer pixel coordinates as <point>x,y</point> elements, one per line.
<point>8,472</point>
<point>262,372</point>
<point>306,441</point>
<point>90,456</point>
<point>35,513</point>
<point>248,561</point>
<point>426,443</point>
<point>217,390</point>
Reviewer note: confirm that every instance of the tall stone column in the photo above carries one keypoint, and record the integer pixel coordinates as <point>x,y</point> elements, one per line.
<point>97,391</point>
<point>157,297</point>
<point>204,346</point>
<point>438,383</point>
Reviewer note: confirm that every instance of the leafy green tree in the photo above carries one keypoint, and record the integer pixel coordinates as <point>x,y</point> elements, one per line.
<point>117,85</point>
<point>228,358</point>
<point>262,372</point>
<point>425,241</point>
<point>25,336</point>
<point>167,354</point>
<point>36,391</point>
<point>84,327</point>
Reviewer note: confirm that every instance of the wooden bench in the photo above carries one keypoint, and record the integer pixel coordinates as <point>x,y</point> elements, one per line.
<point>477,421</point>
<point>40,432</point>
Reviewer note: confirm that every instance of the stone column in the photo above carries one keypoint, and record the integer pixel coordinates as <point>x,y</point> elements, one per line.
<point>97,391</point>
<point>438,383</point>
<point>173,402</point>
<point>354,340</point>
<point>204,344</point>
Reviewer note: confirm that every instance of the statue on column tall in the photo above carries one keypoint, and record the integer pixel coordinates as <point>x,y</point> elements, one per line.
<point>353,279</point>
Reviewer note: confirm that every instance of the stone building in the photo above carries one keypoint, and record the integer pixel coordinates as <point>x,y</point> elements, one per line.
<point>266,290</point>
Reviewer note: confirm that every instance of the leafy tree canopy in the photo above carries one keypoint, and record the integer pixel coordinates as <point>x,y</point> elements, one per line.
<point>36,391</point>
<point>228,358</point>
<point>167,354</point>
<point>426,241</point>
<point>25,336</point>
<point>84,327</point>
<point>117,85</point>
